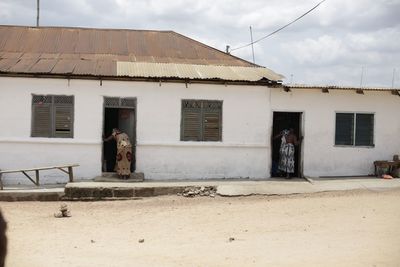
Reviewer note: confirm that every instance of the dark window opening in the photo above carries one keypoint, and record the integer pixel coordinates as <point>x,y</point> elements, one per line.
<point>354,129</point>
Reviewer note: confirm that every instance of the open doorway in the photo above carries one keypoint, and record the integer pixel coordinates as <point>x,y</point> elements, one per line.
<point>282,121</point>
<point>118,113</point>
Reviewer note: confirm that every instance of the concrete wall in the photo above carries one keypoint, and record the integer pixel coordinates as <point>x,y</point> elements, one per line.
<point>321,156</point>
<point>243,151</point>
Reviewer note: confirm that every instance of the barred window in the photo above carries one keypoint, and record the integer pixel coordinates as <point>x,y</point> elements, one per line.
<point>354,129</point>
<point>52,116</point>
<point>201,120</point>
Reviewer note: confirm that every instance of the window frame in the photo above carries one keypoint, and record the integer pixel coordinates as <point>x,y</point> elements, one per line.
<point>53,106</point>
<point>202,111</point>
<point>354,129</point>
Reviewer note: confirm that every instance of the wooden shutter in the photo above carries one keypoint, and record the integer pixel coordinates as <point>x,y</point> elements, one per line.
<point>344,129</point>
<point>212,116</point>
<point>41,120</point>
<point>191,120</point>
<point>364,130</point>
<point>62,121</point>
<point>63,114</point>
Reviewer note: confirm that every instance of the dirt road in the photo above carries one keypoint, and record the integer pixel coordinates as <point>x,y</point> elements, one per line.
<point>358,228</point>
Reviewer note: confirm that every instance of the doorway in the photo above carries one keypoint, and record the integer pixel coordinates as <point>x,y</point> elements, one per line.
<point>118,113</point>
<point>281,121</point>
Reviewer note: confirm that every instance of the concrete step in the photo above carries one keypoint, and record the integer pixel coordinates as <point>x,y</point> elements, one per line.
<point>113,177</point>
<point>113,190</point>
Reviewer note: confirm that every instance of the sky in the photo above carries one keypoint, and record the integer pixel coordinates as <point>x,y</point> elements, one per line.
<point>342,42</point>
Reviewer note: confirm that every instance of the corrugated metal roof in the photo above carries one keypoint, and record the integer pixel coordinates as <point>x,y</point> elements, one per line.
<point>336,87</point>
<point>116,53</point>
<point>195,72</point>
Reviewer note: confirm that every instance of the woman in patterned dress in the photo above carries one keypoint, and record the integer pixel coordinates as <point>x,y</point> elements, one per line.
<point>286,151</point>
<point>124,153</point>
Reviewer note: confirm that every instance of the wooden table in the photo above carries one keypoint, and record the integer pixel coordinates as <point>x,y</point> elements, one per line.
<point>64,168</point>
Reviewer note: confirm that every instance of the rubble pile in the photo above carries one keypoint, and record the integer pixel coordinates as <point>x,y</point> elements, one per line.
<point>204,191</point>
<point>64,211</point>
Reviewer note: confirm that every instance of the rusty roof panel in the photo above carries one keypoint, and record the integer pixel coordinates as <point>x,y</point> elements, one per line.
<point>68,41</point>
<point>64,66</point>
<point>7,63</point>
<point>106,68</point>
<point>43,66</point>
<point>85,67</point>
<point>23,66</point>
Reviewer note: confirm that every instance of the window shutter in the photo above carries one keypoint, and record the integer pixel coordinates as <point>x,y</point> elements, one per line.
<point>344,129</point>
<point>191,120</point>
<point>364,130</point>
<point>62,120</point>
<point>41,120</point>
<point>212,111</point>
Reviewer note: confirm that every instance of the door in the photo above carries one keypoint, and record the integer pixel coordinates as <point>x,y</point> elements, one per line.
<point>282,121</point>
<point>118,113</point>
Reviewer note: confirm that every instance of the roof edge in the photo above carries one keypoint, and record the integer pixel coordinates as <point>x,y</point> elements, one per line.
<point>337,87</point>
<point>84,28</point>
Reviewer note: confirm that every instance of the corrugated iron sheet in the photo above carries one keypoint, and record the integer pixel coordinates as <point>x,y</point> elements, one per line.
<point>116,53</point>
<point>335,87</point>
<point>195,72</point>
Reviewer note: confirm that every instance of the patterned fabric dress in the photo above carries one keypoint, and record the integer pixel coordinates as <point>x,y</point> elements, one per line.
<point>124,154</point>
<point>286,155</point>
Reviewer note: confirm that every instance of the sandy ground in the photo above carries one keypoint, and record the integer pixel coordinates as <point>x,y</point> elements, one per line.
<point>356,228</point>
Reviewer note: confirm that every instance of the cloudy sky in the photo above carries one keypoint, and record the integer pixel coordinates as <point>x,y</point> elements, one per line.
<point>332,45</point>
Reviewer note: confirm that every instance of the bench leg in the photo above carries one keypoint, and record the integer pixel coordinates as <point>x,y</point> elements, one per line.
<point>1,182</point>
<point>37,177</point>
<point>71,174</point>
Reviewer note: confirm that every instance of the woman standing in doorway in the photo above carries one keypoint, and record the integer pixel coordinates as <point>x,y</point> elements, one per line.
<point>124,153</point>
<point>286,151</point>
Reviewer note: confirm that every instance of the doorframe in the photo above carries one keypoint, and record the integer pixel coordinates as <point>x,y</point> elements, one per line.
<point>134,124</point>
<point>302,133</point>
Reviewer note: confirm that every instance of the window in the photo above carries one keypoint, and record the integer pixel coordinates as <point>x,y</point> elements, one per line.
<point>201,120</point>
<point>354,129</point>
<point>52,116</point>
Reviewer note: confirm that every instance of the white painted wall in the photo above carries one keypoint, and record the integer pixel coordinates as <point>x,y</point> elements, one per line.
<point>321,156</point>
<point>160,153</point>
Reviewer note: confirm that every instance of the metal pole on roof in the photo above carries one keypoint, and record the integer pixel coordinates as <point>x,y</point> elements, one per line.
<point>252,45</point>
<point>362,76</point>
<point>37,15</point>
<point>394,72</point>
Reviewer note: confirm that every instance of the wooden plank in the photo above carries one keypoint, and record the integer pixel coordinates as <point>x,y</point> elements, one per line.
<point>40,168</point>
<point>63,170</point>
<point>71,174</point>
<point>37,177</point>
<point>29,177</point>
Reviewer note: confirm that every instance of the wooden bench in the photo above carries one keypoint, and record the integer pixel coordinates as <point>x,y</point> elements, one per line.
<point>65,168</point>
<point>389,164</point>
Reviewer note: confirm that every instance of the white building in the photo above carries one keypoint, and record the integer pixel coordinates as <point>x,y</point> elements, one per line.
<point>192,111</point>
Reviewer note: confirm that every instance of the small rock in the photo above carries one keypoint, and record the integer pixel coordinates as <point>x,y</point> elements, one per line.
<point>141,240</point>
<point>231,239</point>
<point>92,241</point>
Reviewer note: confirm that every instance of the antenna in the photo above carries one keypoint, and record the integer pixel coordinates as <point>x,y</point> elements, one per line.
<point>394,72</point>
<point>362,76</point>
<point>38,9</point>
<point>252,44</point>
